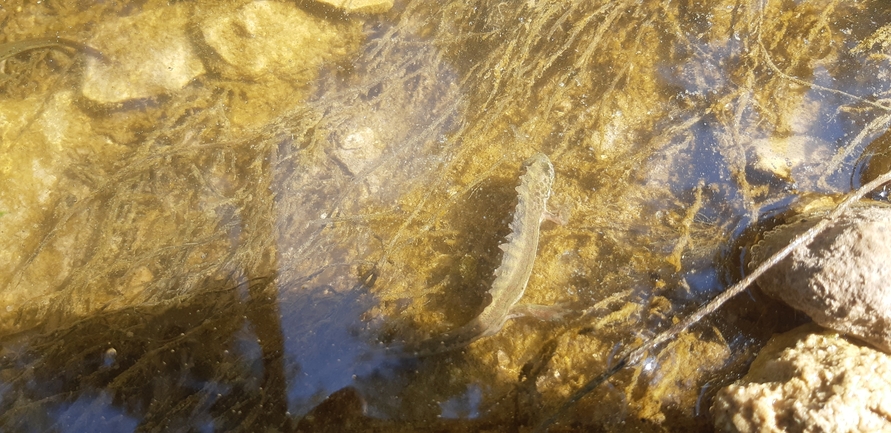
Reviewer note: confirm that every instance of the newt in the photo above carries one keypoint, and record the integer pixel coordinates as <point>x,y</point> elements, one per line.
<point>511,276</point>
<point>12,49</point>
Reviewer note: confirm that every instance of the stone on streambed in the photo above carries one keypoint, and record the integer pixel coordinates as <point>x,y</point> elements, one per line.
<point>360,6</point>
<point>841,280</point>
<point>145,55</point>
<point>277,39</point>
<point>809,380</point>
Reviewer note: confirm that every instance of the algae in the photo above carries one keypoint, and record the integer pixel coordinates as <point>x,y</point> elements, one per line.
<point>247,242</point>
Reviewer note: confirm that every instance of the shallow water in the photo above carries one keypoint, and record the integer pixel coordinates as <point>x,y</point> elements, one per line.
<point>225,222</point>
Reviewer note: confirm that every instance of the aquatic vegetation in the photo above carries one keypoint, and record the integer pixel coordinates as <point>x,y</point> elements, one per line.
<point>250,236</point>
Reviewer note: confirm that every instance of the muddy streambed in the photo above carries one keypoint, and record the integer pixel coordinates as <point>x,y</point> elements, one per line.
<point>224,216</point>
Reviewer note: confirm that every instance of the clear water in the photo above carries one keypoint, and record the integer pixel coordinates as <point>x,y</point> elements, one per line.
<point>224,221</point>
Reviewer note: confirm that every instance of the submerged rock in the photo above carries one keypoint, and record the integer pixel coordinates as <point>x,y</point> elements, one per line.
<point>270,54</point>
<point>841,279</point>
<point>809,380</point>
<point>789,158</point>
<point>146,55</point>
<point>360,6</point>
<point>265,38</point>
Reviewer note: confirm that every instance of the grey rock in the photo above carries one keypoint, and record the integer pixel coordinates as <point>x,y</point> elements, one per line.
<point>841,280</point>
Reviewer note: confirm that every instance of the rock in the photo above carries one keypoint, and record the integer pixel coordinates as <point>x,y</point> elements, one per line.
<point>789,158</point>
<point>876,160</point>
<point>265,38</point>
<point>809,380</point>
<point>841,279</point>
<point>147,54</point>
<point>358,149</point>
<point>360,6</point>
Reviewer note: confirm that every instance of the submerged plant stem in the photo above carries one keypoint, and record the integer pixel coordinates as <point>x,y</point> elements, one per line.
<point>12,49</point>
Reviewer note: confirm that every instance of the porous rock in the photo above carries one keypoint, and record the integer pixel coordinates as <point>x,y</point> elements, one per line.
<point>809,380</point>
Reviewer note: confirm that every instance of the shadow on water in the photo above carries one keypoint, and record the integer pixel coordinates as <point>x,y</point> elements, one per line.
<point>216,362</point>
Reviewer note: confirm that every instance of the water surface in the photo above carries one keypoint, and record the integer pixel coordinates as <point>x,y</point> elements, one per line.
<point>223,222</point>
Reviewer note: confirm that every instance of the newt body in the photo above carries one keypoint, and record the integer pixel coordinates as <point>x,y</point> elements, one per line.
<point>520,248</point>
